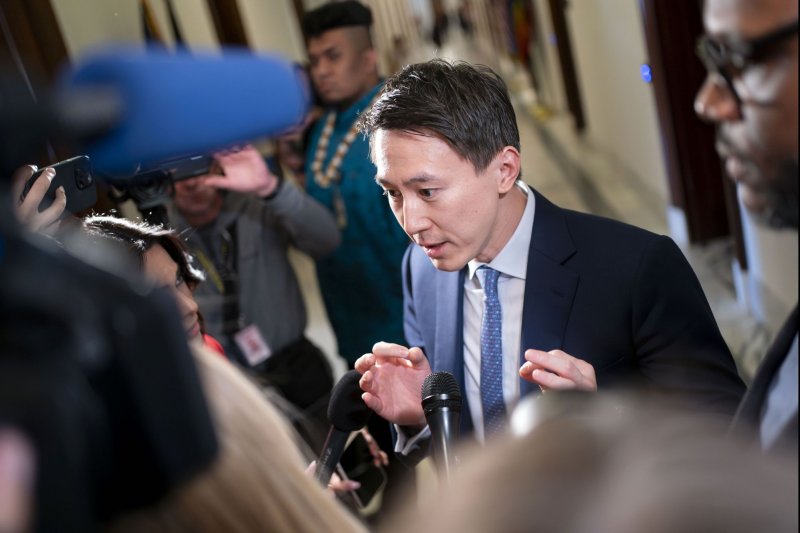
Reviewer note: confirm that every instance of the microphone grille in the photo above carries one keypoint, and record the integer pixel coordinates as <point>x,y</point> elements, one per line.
<point>346,410</point>
<point>441,383</point>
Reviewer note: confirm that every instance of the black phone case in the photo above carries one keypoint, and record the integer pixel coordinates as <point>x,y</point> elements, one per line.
<point>75,175</point>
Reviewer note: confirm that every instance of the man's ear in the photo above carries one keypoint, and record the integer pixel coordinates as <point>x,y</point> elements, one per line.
<point>508,167</point>
<point>371,58</point>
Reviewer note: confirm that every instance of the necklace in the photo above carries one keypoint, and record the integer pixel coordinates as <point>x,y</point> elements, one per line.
<point>330,174</point>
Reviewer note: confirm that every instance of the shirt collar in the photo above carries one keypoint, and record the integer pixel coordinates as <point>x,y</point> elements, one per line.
<point>513,258</point>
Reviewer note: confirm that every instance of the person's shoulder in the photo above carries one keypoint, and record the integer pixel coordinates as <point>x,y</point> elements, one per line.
<point>586,227</point>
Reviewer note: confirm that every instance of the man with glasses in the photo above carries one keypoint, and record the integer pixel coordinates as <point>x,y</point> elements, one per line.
<point>750,94</point>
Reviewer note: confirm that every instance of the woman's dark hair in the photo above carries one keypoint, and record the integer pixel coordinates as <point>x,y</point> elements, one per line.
<point>465,105</point>
<point>138,237</point>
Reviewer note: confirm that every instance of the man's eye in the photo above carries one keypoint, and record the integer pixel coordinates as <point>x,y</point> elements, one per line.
<point>426,193</point>
<point>179,281</point>
<point>391,194</point>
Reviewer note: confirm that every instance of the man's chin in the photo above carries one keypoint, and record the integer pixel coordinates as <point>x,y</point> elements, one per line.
<point>448,265</point>
<point>771,209</point>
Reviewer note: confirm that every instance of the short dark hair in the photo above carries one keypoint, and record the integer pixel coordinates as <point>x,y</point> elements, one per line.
<point>336,15</point>
<point>138,237</point>
<point>465,105</point>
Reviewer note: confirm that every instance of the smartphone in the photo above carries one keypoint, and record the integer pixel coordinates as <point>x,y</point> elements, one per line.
<point>356,464</point>
<point>75,175</point>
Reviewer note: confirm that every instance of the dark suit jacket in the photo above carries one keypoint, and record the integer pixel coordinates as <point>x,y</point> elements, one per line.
<point>621,298</point>
<point>748,417</point>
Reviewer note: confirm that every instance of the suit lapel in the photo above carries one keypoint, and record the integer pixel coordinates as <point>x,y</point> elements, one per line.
<point>749,412</point>
<point>549,286</point>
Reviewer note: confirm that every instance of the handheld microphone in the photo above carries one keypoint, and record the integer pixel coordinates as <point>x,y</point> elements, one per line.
<point>347,413</point>
<point>178,104</point>
<point>441,401</point>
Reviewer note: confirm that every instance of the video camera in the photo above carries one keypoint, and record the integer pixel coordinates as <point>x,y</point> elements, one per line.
<point>94,368</point>
<point>150,188</point>
<point>97,372</point>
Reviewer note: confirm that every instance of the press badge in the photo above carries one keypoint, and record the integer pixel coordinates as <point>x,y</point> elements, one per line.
<point>252,344</point>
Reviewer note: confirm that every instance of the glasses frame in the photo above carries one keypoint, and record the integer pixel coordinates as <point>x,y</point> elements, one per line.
<point>732,57</point>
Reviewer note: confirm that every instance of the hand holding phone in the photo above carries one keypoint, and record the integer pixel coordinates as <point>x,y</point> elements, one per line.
<point>358,463</point>
<point>74,175</point>
<point>30,192</point>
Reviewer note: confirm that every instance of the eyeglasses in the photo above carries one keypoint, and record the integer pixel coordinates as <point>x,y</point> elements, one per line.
<point>731,58</point>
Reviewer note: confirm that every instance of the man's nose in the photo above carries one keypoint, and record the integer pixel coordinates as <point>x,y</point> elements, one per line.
<point>715,102</point>
<point>415,217</point>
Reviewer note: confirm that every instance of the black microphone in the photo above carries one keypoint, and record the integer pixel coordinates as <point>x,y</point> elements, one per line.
<point>441,401</point>
<point>347,413</point>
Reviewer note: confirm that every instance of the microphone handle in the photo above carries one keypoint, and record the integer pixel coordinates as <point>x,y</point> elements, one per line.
<point>331,453</point>
<point>444,425</point>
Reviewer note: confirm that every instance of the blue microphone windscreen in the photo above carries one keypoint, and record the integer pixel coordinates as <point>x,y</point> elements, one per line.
<point>179,103</point>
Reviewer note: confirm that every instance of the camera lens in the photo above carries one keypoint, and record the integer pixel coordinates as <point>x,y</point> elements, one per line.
<point>83,178</point>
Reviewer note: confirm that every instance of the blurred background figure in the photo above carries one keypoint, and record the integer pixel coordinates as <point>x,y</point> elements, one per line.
<point>360,281</point>
<point>440,22</point>
<point>608,464</point>
<point>164,259</point>
<point>750,95</point>
<point>239,222</point>
<point>257,483</point>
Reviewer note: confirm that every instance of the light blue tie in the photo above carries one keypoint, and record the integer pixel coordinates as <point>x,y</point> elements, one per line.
<point>494,407</point>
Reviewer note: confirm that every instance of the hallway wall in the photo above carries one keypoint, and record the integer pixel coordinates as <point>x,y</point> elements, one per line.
<point>620,108</point>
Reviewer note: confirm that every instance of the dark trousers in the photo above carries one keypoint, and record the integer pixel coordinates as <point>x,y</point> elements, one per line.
<point>300,373</point>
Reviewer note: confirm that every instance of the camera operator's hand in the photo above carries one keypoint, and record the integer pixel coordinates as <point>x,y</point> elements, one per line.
<point>244,171</point>
<point>27,208</point>
<point>16,482</point>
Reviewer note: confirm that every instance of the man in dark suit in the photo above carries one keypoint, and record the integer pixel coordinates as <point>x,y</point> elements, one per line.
<point>750,93</point>
<point>510,293</point>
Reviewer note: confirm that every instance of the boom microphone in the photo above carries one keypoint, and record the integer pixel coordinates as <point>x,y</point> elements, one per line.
<point>347,413</point>
<point>441,401</point>
<point>177,104</point>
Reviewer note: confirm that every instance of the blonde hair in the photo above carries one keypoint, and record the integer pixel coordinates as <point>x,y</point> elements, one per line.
<point>258,481</point>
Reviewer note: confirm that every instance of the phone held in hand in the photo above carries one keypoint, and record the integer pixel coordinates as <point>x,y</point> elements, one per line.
<point>75,175</point>
<point>357,464</point>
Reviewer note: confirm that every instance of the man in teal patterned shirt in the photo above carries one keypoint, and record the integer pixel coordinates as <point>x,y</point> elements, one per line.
<point>360,282</point>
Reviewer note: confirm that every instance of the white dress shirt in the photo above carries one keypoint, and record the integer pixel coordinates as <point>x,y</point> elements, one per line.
<point>512,263</point>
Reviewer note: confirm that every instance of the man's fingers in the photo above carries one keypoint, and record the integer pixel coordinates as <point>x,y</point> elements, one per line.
<point>548,380</point>
<point>416,356</point>
<point>53,213</point>
<point>555,361</point>
<point>365,362</point>
<point>30,204</point>
<point>389,349</point>
<point>18,179</point>
<point>373,402</point>
<point>366,381</point>
<point>220,182</point>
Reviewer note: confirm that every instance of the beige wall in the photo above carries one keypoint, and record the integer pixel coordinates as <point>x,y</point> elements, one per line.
<point>272,26</point>
<point>88,24</point>
<point>609,47</point>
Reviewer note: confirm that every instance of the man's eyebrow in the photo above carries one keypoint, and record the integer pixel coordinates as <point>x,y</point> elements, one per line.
<point>327,50</point>
<point>421,178</point>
